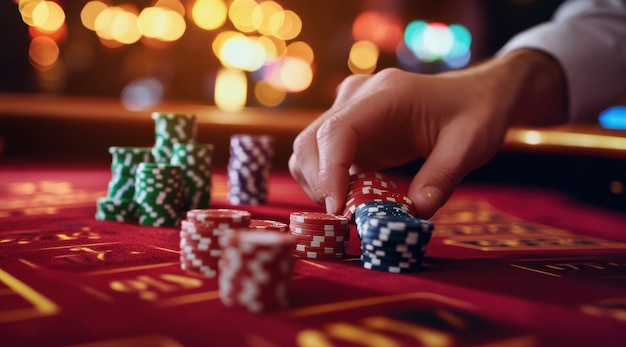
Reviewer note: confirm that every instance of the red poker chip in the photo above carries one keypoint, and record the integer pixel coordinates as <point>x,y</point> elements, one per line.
<point>218,215</point>
<point>320,227</point>
<point>307,232</point>
<point>317,218</point>
<point>367,174</point>
<point>320,249</point>
<point>256,240</point>
<point>332,244</point>
<point>314,238</point>
<point>268,225</point>
<point>373,182</point>
<point>316,255</point>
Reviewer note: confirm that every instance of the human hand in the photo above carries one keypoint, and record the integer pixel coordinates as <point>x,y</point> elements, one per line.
<point>456,120</point>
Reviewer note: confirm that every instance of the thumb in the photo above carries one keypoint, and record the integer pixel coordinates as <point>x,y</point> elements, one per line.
<point>454,156</point>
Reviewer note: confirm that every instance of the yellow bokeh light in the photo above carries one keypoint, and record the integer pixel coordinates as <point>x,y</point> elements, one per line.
<point>274,48</point>
<point>209,14</point>
<point>104,22</point>
<point>301,50</point>
<point>219,40</point>
<point>124,28</point>
<point>272,17</point>
<point>43,52</point>
<point>90,12</point>
<point>26,8</point>
<point>242,52</point>
<point>48,16</point>
<point>268,95</point>
<point>161,23</point>
<point>363,57</point>
<point>290,28</point>
<point>231,89</point>
<point>295,74</point>
<point>173,5</point>
<point>244,15</point>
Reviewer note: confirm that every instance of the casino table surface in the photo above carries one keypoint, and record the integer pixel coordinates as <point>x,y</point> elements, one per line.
<point>507,266</point>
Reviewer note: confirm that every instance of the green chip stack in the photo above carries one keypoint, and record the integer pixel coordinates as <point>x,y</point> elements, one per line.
<point>195,162</point>
<point>119,203</point>
<point>171,128</point>
<point>158,194</point>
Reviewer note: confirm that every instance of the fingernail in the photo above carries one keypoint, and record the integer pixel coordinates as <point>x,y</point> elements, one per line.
<point>330,204</point>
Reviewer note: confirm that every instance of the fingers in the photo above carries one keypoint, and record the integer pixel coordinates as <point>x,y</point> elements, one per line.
<point>455,154</point>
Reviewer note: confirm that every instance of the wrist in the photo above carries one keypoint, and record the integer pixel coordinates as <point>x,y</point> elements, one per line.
<point>529,86</point>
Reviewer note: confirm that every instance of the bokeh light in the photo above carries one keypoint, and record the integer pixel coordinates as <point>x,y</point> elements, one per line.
<point>268,95</point>
<point>363,57</point>
<point>239,51</point>
<point>438,41</point>
<point>142,93</point>
<point>613,118</point>
<point>301,50</point>
<point>209,14</point>
<point>90,12</point>
<point>48,16</point>
<point>244,16</point>
<point>384,29</point>
<point>231,88</point>
<point>43,52</point>
<point>291,26</point>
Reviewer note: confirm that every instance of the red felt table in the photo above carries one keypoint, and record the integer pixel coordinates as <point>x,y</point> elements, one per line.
<point>507,266</point>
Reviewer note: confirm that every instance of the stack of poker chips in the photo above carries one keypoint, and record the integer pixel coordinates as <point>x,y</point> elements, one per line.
<point>158,193</point>
<point>255,270</point>
<point>119,205</point>
<point>268,225</point>
<point>171,128</point>
<point>249,168</point>
<point>319,235</point>
<point>392,239</point>
<point>200,250</point>
<point>195,161</point>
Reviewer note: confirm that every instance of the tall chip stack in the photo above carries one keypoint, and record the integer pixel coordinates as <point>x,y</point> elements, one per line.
<point>158,194</point>
<point>171,128</point>
<point>249,168</point>
<point>200,250</point>
<point>119,203</point>
<point>255,270</point>
<point>195,161</point>
<point>392,239</point>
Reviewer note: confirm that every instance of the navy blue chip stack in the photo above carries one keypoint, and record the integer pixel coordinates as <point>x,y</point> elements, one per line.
<point>249,168</point>
<point>392,239</point>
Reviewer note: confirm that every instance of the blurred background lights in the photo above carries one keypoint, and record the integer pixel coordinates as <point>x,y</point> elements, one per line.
<point>48,16</point>
<point>252,42</point>
<point>363,57</point>
<point>613,118</point>
<point>239,51</point>
<point>382,28</point>
<point>142,93</point>
<point>209,14</point>
<point>438,41</point>
<point>231,87</point>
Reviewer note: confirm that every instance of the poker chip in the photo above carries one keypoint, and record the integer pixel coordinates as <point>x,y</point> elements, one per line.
<point>195,162</point>
<point>249,168</point>
<point>118,204</point>
<point>264,224</point>
<point>171,128</point>
<point>392,239</point>
<point>255,269</point>
<point>200,233</point>
<point>158,194</point>
<point>319,235</point>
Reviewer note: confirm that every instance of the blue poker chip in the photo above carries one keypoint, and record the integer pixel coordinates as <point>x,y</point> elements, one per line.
<point>390,248</point>
<point>383,254</point>
<point>372,263</point>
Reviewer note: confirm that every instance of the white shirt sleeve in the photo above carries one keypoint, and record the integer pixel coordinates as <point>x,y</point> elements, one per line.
<point>588,38</point>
